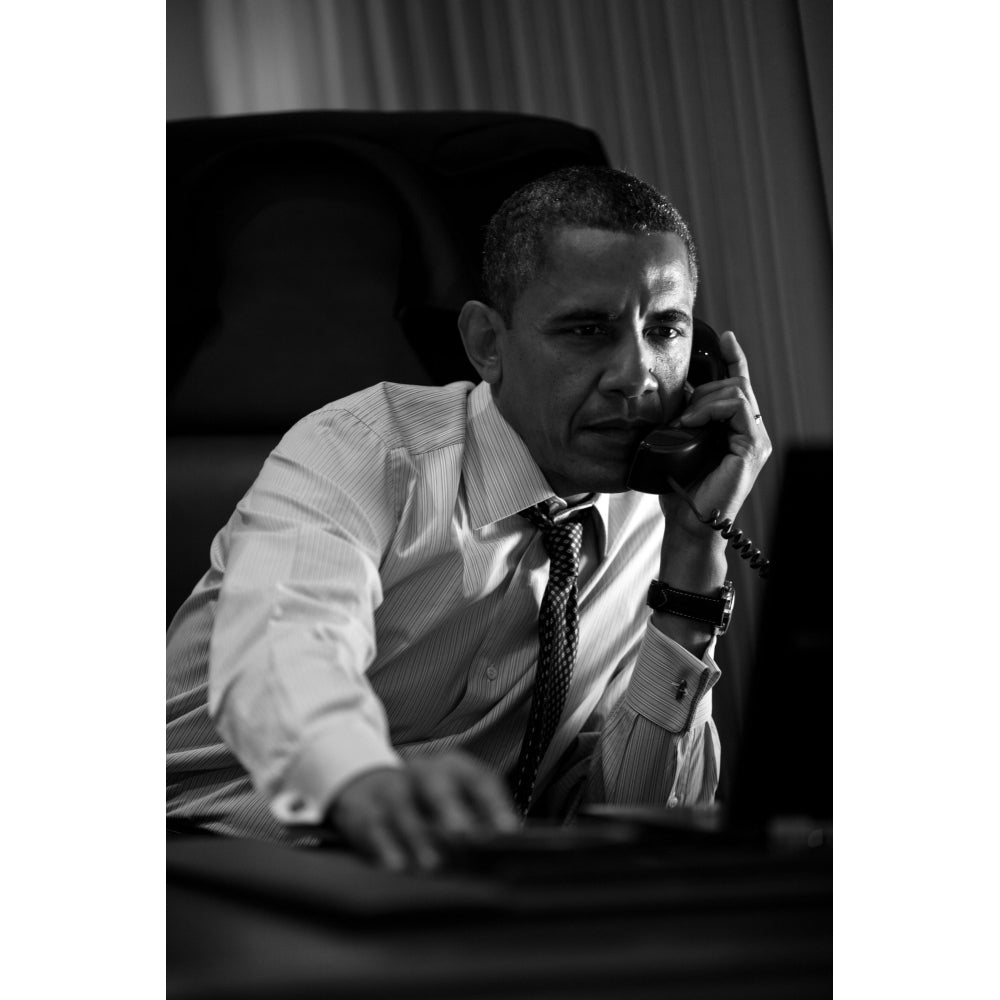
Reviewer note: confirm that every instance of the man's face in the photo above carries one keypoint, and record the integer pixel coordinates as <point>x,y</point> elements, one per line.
<point>596,354</point>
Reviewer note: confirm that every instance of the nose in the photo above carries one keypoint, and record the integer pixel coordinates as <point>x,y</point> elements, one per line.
<point>629,371</point>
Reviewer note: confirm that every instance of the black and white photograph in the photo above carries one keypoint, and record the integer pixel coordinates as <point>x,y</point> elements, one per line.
<point>499,403</point>
<point>454,383</point>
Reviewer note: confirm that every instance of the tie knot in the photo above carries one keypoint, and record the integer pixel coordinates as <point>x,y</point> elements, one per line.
<point>562,539</point>
<point>540,517</point>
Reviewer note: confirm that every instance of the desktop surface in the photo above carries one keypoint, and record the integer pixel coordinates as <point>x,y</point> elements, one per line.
<point>612,910</point>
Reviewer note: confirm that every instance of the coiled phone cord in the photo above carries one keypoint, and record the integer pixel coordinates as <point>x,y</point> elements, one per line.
<point>725,528</point>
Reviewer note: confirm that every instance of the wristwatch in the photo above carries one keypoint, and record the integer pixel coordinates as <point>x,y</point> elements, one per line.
<point>714,611</point>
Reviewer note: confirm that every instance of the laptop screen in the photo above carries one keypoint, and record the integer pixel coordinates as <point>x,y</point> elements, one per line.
<point>785,765</point>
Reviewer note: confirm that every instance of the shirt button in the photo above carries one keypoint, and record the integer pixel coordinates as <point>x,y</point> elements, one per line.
<point>672,801</point>
<point>491,673</point>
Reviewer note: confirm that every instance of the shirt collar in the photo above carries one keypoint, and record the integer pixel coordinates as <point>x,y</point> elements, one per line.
<point>501,478</point>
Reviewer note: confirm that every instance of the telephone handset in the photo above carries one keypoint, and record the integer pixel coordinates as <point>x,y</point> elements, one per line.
<point>674,458</point>
<point>684,454</point>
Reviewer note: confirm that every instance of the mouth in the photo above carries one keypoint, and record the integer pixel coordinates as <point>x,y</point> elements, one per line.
<point>622,433</point>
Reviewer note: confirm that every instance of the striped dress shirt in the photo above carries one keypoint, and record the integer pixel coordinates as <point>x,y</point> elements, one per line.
<point>375,596</point>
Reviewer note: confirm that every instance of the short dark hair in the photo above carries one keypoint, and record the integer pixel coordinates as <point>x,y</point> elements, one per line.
<point>586,197</point>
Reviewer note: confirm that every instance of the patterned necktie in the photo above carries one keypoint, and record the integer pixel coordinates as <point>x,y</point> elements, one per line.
<point>558,632</point>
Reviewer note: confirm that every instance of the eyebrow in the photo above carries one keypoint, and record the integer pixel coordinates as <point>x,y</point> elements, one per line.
<point>590,315</point>
<point>671,315</point>
<point>583,315</point>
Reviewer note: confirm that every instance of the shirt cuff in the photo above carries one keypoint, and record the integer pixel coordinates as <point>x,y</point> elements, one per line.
<point>325,766</point>
<point>670,686</point>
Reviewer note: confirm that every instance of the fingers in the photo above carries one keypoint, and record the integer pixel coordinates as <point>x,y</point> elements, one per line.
<point>398,839</point>
<point>705,403</point>
<point>382,846</point>
<point>379,815</point>
<point>460,795</point>
<point>409,826</point>
<point>730,400</point>
<point>732,354</point>
<point>725,401</point>
<point>398,816</point>
<point>487,794</point>
<point>737,366</point>
<point>443,801</point>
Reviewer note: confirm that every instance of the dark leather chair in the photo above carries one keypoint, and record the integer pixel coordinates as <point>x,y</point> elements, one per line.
<point>310,255</point>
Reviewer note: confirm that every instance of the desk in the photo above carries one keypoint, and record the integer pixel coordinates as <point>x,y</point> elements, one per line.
<point>706,921</point>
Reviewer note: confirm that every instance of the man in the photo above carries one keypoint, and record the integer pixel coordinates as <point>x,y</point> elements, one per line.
<point>432,597</point>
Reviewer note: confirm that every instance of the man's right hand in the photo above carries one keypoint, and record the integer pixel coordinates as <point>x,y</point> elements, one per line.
<point>397,815</point>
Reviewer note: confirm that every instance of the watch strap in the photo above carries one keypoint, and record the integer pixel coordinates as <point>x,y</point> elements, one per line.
<point>715,611</point>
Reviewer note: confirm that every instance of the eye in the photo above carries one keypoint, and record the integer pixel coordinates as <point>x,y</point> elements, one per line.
<point>587,330</point>
<point>664,332</point>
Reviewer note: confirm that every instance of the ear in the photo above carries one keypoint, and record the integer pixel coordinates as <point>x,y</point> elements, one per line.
<point>481,328</point>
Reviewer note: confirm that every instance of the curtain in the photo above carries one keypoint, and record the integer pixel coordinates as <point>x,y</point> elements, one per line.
<point>724,105</point>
